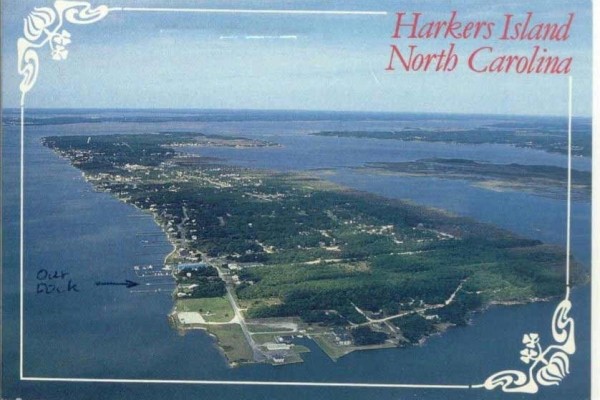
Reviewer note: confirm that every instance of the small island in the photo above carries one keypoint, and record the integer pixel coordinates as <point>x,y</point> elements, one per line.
<point>261,258</point>
<point>542,180</point>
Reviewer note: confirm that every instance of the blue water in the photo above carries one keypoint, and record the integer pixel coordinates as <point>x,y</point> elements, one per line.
<point>109,333</point>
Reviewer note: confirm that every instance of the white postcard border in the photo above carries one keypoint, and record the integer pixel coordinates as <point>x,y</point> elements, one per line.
<point>44,26</point>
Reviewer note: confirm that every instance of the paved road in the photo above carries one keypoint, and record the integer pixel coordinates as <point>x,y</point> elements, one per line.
<point>258,354</point>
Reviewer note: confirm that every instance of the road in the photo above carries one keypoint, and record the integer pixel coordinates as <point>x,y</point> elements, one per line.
<point>418,310</point>
<point>258,354</point>
<point>239,317</point>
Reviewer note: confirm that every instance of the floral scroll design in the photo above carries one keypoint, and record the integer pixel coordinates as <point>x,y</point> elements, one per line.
<point>547,366</point>
<point>44,26</point>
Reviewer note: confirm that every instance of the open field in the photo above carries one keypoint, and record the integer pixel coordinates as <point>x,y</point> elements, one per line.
<point>213,309</point>
<point>231,340</point>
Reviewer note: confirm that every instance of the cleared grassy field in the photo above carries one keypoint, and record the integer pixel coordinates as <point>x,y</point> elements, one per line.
<point>213,309</point>
<point>232,341</point>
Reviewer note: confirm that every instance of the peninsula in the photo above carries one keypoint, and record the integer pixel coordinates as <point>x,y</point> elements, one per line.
<point>263,258</point>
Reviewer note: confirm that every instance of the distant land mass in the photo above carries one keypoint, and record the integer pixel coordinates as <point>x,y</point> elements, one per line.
<point>261,258</point>
<point>546,136</point>
<point>542,180</point>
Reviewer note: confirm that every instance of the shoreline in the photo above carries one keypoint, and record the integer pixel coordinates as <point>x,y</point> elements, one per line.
<point>176,246</point>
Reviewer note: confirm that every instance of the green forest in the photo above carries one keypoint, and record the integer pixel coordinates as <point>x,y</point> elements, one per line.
<point>320,250</point>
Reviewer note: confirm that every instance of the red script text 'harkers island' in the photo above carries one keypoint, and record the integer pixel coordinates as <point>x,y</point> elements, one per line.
<point>516,28</point>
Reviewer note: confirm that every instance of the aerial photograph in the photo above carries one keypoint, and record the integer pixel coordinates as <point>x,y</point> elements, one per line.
<point>296,199</point>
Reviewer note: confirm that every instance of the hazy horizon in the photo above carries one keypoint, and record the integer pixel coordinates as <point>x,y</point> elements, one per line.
<point>293,62</point>
<point>192,109</point>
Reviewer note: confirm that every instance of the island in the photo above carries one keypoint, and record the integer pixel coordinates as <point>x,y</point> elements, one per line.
<point>265,260</point>
<point>549,136</point>
<point>541,180</point>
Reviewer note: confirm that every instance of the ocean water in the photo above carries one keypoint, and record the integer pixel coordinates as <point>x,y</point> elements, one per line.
<point>107,332</point>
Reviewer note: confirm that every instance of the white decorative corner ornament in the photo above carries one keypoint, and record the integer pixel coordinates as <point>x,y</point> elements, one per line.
<point>548,366</point>
<point>44,25</point>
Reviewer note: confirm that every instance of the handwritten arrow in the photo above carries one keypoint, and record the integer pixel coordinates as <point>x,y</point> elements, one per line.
<point>127,283</point>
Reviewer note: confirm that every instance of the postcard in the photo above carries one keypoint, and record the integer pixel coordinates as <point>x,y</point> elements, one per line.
<point>299,199</point>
